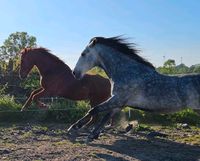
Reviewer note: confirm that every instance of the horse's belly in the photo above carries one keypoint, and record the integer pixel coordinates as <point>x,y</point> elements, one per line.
<point>156,104</point>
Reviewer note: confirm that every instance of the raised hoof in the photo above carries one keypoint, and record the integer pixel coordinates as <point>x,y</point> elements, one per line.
<point>72,130</point>
<point>88,140</point>
<point>22,109</point>
<point>43,106</point>
<point>71,137</point>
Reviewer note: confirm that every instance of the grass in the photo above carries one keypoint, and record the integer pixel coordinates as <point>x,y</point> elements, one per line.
<point>7,103</point>
<point>66,111</point>
<point>185,116</point>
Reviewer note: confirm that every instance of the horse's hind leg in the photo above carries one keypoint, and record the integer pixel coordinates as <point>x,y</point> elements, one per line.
<point>29,100</point>
<point>92,121</point>
<point>109,105</point>
<point>97,130</point>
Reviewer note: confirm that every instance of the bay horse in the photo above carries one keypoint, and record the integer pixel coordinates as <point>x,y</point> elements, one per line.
<point>56,79</point>
<point>136,83</point>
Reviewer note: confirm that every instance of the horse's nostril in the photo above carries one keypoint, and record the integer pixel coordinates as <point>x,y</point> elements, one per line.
<point>73,72</point>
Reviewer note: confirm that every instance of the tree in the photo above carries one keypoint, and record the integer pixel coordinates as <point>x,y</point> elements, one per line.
<point>14,43</point>
<point>181,69</point>
<point>195,68</point>
<point>168,67</point>
<point>9,62</point>
<point>170,63</point>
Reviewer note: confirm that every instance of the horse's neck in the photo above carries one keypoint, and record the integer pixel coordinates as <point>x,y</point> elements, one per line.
<point>47,65</point>
<point>118,65</point>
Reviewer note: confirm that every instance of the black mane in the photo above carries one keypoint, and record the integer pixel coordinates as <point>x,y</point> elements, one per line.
<point>123,47</point>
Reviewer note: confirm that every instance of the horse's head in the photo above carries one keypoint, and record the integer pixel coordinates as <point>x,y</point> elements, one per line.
<point>26,63</point>
<point>87,60</point>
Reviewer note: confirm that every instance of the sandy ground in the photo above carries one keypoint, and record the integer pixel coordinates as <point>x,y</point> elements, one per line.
<point>50,142</point>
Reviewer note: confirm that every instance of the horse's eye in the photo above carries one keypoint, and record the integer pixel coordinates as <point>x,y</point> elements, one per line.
<point>83,54</point>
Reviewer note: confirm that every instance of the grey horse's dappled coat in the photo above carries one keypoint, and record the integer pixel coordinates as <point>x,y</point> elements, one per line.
<point>136,83</point>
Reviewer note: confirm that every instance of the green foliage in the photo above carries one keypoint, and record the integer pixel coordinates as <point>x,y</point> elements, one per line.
<point>7,103</point>
<point>182,69</point>
<point>14,43</point>
<point>185,116</point>
<point>168,67</point>
<point>3,89</point>
<point>97,70</point>
<point>169,63</point>
<point>9,64</point>
<point>195,68</point>
<point>31,82</point>
<point>60,111</point>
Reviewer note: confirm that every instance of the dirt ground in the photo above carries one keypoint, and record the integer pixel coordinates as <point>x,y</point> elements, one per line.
<point>50,142</point>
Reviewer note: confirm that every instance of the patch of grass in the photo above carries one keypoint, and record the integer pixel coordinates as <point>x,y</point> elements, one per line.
<point>191,139</point>
<point>185,116</point>
<point>27,135</point>
<point>64,142</point>
<point>94,155</point>
<point>7,103</point>
<point>143,127</point>
<point>40,128</point>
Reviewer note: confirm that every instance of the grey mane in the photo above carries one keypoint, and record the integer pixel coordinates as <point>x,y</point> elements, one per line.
<point>120,44</point>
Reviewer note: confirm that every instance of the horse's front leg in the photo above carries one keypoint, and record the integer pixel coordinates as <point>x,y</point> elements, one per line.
<point>37,96</point>
<point>29,100</point>
<point>99,127</point>
<point>106,106</point>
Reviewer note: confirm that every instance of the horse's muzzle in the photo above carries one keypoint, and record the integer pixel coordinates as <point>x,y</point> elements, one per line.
<point>77,74</point>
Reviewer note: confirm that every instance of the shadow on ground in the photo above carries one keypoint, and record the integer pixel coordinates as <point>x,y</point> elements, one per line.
<point>152,149</point>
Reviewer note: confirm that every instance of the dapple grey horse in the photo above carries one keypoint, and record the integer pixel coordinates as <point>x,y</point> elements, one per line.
<point>135,82</point>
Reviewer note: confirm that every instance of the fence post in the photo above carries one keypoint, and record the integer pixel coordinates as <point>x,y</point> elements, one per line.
<point>129,112</point>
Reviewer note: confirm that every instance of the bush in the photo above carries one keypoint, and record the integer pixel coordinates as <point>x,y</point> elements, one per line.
<point>60,111</point>
<point>185,116</point>
<point>70,111</point>
<point>7,103</point>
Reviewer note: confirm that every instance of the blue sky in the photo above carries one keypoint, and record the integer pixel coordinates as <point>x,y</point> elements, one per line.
<point>169,28</point>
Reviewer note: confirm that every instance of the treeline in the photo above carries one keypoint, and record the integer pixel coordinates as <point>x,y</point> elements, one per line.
<point>170,67</point>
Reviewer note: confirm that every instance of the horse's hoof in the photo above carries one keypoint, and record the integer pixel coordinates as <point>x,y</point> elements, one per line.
<point>88,140</point>
<point>92,137</point>
<point>22,109</point>
<point>71,130</point>
<point>71,137</point>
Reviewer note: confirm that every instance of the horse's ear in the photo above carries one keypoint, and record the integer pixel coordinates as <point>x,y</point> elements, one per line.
<point>93,42</point>
<point>23,51</point>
